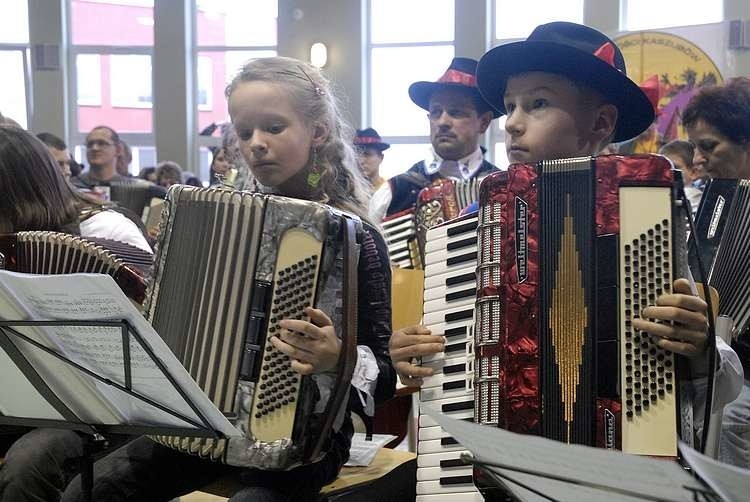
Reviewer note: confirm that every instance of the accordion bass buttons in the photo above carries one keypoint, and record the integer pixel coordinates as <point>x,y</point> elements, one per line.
<point>277,392</point>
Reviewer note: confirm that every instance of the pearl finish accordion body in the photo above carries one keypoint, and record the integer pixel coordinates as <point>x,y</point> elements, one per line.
<point>570,251</point>
<point>229,266</point>
<point>441,201</point>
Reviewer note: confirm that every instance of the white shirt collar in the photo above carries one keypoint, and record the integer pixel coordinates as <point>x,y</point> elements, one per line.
<point>467,166</point>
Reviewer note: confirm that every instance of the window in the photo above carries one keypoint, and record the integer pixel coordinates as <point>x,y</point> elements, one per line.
<point>89,69</point>
<point>13,86</point>
<point>112,22</point>
<point>237,22</point>
<point>205,83</point>
<point>515,19</point>
<point>392,21</point>
<point>14,22</point>
<point>112,46</point>
<point>14,57</point>
<point>638,15</point>
<point>229,33</point>
<point>401,156</point>
<point>130,81</point>
<point>501,156</point>
<point>143,156</point>
<point>393,70</point>
<point>401,52</point>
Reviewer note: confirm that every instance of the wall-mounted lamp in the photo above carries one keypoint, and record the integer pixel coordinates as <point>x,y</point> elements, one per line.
<point>318,54</point>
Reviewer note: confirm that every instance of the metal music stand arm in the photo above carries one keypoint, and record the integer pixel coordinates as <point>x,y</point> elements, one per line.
<point>93,434</point>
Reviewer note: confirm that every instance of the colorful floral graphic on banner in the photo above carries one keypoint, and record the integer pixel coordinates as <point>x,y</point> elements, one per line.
<point>680,68</point>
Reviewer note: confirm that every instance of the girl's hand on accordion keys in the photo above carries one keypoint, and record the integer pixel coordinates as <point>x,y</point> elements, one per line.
<point>686,334</point>
<point>313,346</point>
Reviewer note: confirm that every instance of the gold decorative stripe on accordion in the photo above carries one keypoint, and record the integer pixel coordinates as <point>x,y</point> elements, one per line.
<point>570,252</point>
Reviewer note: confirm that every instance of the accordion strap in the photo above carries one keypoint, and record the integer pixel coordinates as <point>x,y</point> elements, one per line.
<point>348,357</point>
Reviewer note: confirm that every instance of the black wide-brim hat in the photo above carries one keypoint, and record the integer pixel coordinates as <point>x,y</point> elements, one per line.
<point>369,138</point>
<point>579,53</point>
<point>461,74</point>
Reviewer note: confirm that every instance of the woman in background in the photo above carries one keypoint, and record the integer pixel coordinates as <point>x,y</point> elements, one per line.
<point>717,120</point>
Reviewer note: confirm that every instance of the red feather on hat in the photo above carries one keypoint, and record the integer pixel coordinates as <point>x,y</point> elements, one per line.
<point>650,88</point>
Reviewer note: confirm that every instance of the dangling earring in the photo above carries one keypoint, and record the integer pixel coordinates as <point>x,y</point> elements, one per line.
<point>313,177</point>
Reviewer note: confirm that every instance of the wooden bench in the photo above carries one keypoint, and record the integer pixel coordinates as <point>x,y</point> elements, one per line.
<point>390,477</point>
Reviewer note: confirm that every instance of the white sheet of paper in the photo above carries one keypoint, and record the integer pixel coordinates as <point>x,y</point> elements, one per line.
<point>18,397</point>
<point>97,297</point>
<point>592,467</point>
<point>730,482</point>
<point>362,452</point>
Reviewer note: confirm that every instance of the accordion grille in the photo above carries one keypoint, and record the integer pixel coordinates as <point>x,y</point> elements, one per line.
<point>730,274</point>
<point>58,253</point>
<point>200,297</point>
<point>130,194</point>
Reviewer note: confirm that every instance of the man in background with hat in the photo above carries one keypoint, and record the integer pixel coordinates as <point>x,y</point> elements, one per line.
<point>458,117</point>
<point>370,149</point>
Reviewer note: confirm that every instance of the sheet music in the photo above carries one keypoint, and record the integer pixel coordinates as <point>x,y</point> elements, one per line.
<point>362,451</point>
<point>730,482</point>
<point>625,474</point>
<point>18,397</point>
<point>97,297</point>
<point>526,486</point>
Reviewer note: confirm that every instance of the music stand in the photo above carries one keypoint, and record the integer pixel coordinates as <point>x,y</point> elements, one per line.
<point>93,431</point>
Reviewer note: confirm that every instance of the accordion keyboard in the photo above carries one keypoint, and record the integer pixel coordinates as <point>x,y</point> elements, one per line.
<point>399,232</point>
<point>273,410</point>
<point>450,289</point>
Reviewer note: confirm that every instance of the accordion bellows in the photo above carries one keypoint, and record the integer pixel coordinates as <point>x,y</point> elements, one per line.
<point>42,252</point>
<point>229,266</point>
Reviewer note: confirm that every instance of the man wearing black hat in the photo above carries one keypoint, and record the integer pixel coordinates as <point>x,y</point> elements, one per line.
<point>370,149</point>
<point>458,117</point>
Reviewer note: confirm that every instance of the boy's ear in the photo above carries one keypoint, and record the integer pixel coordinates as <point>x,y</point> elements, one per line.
<point>320,133</point>
<point>605,121</point>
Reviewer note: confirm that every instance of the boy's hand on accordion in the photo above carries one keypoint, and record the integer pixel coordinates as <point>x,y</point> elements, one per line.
<point>408,343</point>
<point>687,333</point>
<point>313,346</point>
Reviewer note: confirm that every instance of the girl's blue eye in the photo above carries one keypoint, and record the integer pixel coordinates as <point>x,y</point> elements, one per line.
<point>539,103</point>
<point>509,107</point>
<point>276,128</point>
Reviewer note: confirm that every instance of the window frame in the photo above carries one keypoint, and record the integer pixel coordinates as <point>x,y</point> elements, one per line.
<point>76,137</point>
<point>25,50</point>
<point>622,13</point>
<point>367,82</point>
<point>201,51</point>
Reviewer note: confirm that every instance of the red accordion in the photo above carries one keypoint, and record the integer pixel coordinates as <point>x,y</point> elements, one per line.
<point>570,251</point>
